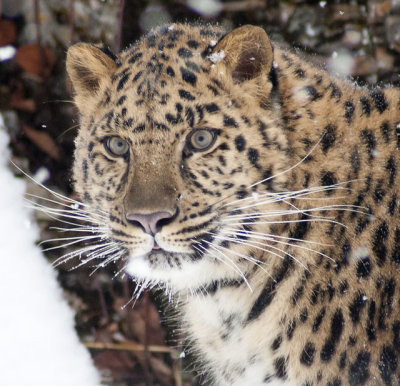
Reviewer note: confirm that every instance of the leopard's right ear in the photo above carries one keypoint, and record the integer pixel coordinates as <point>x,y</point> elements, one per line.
<point>87,66</point>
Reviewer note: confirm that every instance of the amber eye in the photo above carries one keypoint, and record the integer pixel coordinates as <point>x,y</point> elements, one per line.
<point>117,146</point>
<point>201,140</point>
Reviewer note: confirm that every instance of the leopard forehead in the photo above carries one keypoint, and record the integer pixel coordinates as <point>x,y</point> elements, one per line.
<point>170,79</point>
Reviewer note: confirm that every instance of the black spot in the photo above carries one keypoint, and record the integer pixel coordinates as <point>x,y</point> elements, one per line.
<point>135,57</point>
<point>358,370</point>
<point>385,309</point>
<point>313,93</point>
<point>378,242</point>
<point>385,131</point>
<point>276,343</point>
<point>128,122</point>
<point>307,355</point>
<point>318,320</point>
<point>365,106</point>
<point>170,71</point>
<point>298,293</point>
<point>266,296</point>
<point>185,53</point>
<point>371,331</point>
<point>328,179</point>
<point>316,291</point>
<point>253,156</point>
<point>392,205</point>
<point>280,367</point>
<point>356,307</point>
<point>364,267</point>
<point>379,192</point>
<point>211,108</point>
<point>188,76</point>
<point>193,44</point>
<point>189,115</point>
<point>380,101</point>
<point>240,143</point>
<point>229,121</point>
<point>290,330</point>
<point>329,347</point>
<point>342,360</point>
<point>301,228</point>
<point>334,382</point>
<point>123,81</point>
<point>303,315</point>
<point>349,110</point>
<point>368,138</point>
<point>85,170</point>
<point>186,95</point>
<point>329,137</point>
<point>391,168</point>
<point>121,100</point>
<point>299,73</point>
<point>336,91</point>
<point>387,364</point>
<point>139,129</point>
<point>151,41</point>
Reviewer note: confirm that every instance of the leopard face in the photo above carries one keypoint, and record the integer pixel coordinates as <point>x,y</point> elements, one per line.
<point>177,139</point>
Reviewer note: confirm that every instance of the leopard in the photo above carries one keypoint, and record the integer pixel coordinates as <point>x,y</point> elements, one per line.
<point>258,191</point>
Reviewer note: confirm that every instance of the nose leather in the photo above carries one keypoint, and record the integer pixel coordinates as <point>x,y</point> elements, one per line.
<point>149,222</point>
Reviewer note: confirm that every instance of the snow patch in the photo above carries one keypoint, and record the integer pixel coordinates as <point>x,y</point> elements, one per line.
<point>39,345</point>
<point>217,56</point>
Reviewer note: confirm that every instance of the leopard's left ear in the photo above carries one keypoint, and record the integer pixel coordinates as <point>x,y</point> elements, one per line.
<point>246,51</point>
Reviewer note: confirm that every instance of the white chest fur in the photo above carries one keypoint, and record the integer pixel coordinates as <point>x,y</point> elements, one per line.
<point>236,351</point>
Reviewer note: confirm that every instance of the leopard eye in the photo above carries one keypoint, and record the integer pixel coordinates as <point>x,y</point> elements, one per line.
<point>201,140</point>
<point>117,146</point>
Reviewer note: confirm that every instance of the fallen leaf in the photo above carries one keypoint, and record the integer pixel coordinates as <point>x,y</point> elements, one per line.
<point>36,60</point>
<point>43,141</point>
<point>8,32</point>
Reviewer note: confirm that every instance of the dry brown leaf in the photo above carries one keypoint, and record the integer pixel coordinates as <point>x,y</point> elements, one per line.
<point>8,32</point>
<point>138,319</point>
<point>43,141</point>
<point>36,60</point>
<point>119,363</point>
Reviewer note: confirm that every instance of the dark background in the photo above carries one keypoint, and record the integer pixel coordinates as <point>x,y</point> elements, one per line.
<point>128,343</point>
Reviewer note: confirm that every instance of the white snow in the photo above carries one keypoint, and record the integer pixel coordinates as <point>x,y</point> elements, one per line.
<point>341,63</point>
<point>217,56</point>
<point>7,53</point>
<point>38,343</point>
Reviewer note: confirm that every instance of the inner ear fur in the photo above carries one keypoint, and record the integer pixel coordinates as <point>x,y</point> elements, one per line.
<point>248,52</point>
<point>87,65</point>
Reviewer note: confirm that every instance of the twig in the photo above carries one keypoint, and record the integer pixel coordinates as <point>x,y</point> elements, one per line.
<point>71,19</point>
<point>120,23</point>
<point>37,23</point>
<point>239,6</point>
<point>147,374</point>
<point>131,346</point>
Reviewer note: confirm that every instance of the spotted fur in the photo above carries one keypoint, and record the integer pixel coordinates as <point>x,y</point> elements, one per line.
<point>280,242</point>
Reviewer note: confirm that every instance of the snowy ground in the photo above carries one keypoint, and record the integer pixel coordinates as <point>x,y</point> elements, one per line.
<point>38,343</point>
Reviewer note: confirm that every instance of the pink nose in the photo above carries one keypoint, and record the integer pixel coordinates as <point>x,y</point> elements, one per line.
<point>149,222</point>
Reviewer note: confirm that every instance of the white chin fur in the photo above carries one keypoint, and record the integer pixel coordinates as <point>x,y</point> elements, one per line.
<point>192,274</point>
